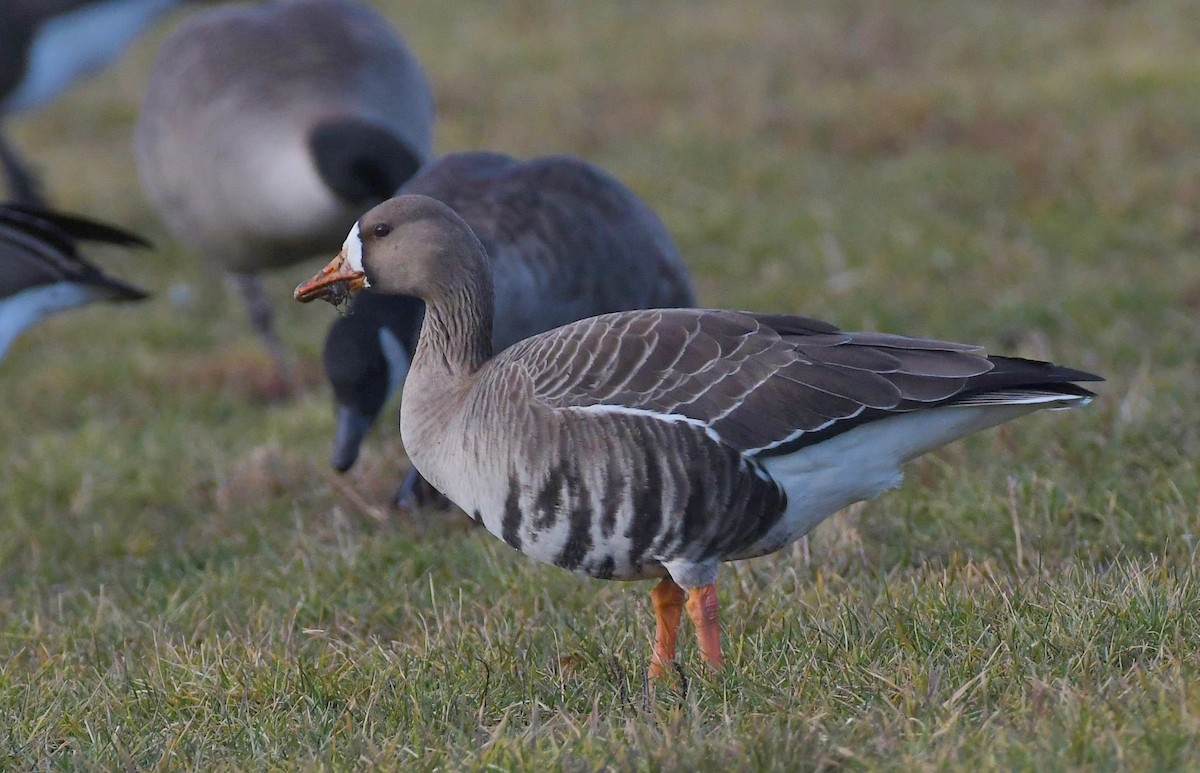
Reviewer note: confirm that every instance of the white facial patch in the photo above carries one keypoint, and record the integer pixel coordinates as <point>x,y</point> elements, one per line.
<point>354,257</point>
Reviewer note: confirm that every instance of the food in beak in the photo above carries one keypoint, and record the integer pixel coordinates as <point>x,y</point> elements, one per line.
<point>334,283</point>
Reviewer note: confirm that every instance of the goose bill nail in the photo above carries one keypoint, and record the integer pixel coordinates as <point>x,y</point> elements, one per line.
<point>334,283</point>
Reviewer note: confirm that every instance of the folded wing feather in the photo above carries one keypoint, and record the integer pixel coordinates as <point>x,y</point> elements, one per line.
<point>758,381</point>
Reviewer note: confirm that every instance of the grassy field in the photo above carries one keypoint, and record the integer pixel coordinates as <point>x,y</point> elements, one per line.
<point>183,584</point>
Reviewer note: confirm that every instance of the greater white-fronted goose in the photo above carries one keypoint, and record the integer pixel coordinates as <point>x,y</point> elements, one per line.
<point>42,272</point>
<point>46,45</point>
<point>662,443</point>
<point>267,129</point>
<point>565,240</point>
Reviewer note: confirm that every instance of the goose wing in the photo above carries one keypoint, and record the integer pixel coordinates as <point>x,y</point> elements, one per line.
<point>764,384</point>
<point>38,247</point>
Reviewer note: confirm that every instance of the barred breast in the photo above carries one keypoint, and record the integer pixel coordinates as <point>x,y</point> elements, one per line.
<point>619,496</point>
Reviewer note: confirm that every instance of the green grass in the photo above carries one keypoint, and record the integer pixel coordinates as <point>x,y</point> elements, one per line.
<point>183,584</point>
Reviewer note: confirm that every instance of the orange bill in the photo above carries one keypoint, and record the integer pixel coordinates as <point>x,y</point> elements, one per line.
<point>334,283</point>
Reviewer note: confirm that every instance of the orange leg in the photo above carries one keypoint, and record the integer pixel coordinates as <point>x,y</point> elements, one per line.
<point>667,598</point>
<point>702,608</point>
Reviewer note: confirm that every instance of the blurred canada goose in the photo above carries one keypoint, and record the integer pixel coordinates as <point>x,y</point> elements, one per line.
<point>661,443</point>
<point>267,129</point>
<point>46,45</point>
<point>42,272</point>
<point>565,240</point>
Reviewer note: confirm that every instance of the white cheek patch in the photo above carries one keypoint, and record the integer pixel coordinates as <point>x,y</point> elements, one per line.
<point>354,257</point>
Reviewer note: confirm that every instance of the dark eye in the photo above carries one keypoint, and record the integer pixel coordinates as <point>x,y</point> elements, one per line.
<point>381,230</point>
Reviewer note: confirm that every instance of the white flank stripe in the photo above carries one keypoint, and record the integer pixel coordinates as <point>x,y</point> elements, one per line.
<point>985,400</point>
<point>670,418</point>
<point>1028,397</point>
<point>799,432</point>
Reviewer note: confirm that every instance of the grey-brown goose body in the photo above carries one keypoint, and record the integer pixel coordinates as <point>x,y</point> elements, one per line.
<point>565,240</point>
<point>667,441</point>
<point>656,442</point>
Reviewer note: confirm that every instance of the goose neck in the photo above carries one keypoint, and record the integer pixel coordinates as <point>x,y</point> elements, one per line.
<point>456,334</point>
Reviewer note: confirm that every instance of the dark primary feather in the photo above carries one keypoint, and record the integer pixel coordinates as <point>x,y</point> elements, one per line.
<point>766,384</point>
<point>73,226</point>
<point>38,247</point>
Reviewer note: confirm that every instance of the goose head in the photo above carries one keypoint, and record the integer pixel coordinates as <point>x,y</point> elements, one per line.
<point>408,245</point>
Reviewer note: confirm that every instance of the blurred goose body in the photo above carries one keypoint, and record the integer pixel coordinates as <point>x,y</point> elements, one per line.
<point>268,128</point>
<point>661,443</point>
<point>565,240</point>
<point>46,45</point>
<point>42,272</point>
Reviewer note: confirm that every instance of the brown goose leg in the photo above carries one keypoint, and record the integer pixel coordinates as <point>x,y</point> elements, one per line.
<point>702,608</point>
<point>668,609</point>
